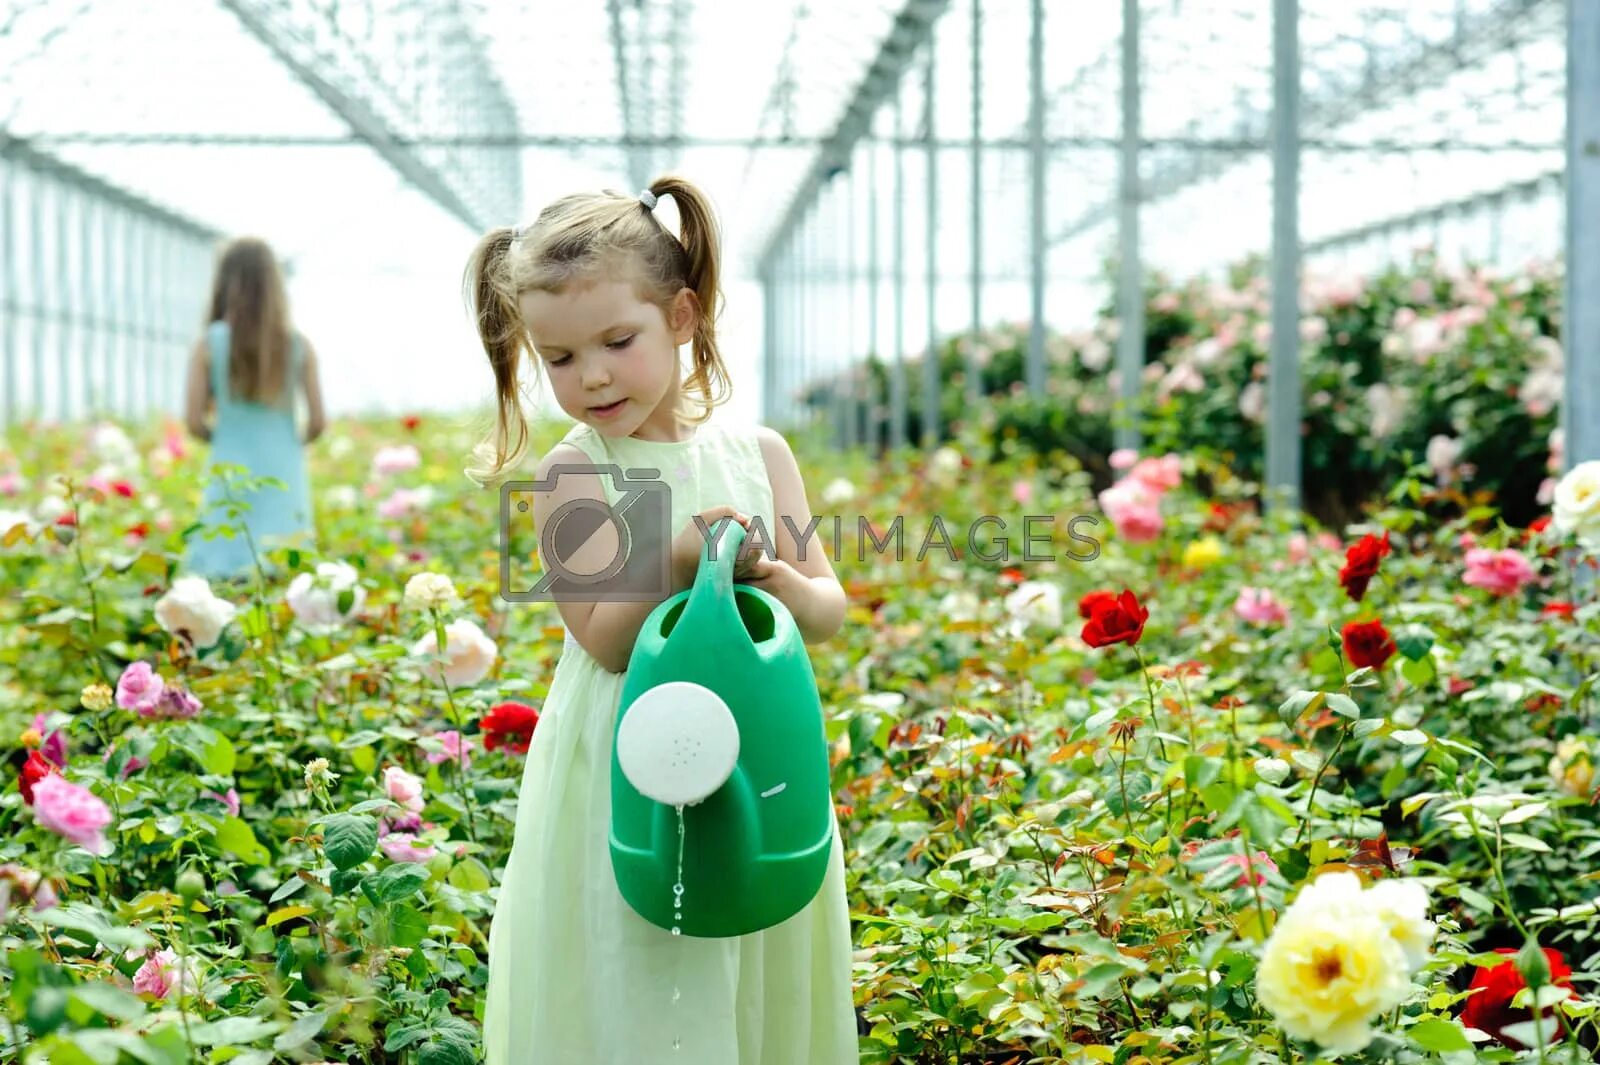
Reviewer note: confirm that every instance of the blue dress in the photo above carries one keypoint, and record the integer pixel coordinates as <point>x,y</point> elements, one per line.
<point>264,440</point>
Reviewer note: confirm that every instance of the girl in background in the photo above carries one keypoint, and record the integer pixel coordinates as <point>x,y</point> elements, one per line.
<point>246,371</point>
<point>599,296</point>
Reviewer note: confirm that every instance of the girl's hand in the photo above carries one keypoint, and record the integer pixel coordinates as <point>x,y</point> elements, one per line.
<point>689,544</point>
<point>757,560</point>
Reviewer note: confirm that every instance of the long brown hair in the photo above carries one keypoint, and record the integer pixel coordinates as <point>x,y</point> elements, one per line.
<point>247,292</point>
<point>577,237</point>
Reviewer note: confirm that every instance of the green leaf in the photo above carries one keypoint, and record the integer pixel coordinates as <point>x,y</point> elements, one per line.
<point>1301,702</point>
<point>469,874</point>
<point>1526,842</point>
<point>1414,641</point>
<point>210,748</point>
<point>1409,737</point>
<point>349,839</point>
<point>399,881</point>
<point>407,926</point>
<point>1439,1035</point>
<point>233,1030</point>
<point>447,1049</point>
<point>111,1001</point>
<point>236,837</point>
<point>1343,705</point>
<point>346,600</point>
<point>305,1028</point>
<point>80,917</point>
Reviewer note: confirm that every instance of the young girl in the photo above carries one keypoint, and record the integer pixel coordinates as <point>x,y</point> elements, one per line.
<point>248,365</point>
<point>599,296</point>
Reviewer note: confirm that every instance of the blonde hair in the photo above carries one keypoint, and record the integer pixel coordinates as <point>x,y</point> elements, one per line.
<point>577,238</point>
<point>247,292</point>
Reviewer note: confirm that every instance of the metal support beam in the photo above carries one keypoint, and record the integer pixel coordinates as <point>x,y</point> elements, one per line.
<point>483,188</point>
<point>1036,187</point>
<point>912,27</point>
<point>10,298</point>
<point>930,364</point>
<point>1130,275</point>
<point>974,371</point>
<point>1580,413</point>
<point>897,377</point>
<point>1283,370</point>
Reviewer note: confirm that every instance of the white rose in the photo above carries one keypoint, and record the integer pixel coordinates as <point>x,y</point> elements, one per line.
<point>1576,503</point>
<point>189,607</point>
<point>469,654</point>
<point>430,590</point>
<point>944,464</point>
<point>342,497</point>
<point>838,492</point>
<point>960,605</point>
<point>314,598</point>
<point>1035,603</point>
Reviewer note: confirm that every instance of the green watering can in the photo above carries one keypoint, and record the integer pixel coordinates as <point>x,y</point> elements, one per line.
<point>720,719</point>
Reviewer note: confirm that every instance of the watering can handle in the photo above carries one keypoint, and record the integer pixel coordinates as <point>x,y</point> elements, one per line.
<point>724,546</point>
<point>711,595</point>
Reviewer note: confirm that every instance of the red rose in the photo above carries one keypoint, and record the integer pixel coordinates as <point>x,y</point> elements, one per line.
<point>1494,986</point>
<point>70,518</point>
<point>139,529</point>
<point>123,489</point>
<point>411,421</point>
<point>509,725</point>
<point>1010,575</point>
<point>1119,620</point>
<point>1087,605</point>
<point>1367,643</point>
<point>1361,564</point>
<point>1558,609</point>
<point>35,769</point>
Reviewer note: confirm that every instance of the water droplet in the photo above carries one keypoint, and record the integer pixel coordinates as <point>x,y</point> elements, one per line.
<point>676,994</point>
<point>677,932</point>
<point>677,1043</point>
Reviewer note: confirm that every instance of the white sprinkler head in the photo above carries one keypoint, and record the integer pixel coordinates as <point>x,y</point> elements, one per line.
<point>678,743</point>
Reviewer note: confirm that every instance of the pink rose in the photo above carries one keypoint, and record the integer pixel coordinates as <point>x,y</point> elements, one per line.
<point>1257,864</point>
<point>1133,509</point>
<point>175,702</point>
<point>403,788</point>
<point>1123,458</point>
<point>11,483</point>
<point>24,885</point>
<point>1259,606</point>
<point>1022,492</point>
<point>454,749</point>
<point>1159,475</point>
<point>1498,572</point>
<point>72,812</point>
<point>230,800</point>
<point>403,847</point>
<point>161,975</point>
<point>139,688</point>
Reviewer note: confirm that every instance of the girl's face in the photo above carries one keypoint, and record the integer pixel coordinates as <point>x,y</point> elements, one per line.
<point>612,359</point>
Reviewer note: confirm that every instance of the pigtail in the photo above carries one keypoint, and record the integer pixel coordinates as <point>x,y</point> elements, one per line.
<point>703,245</point>
<point>500,330</point>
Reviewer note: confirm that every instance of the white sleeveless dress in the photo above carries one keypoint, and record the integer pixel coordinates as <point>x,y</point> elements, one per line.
<point>576,977</point>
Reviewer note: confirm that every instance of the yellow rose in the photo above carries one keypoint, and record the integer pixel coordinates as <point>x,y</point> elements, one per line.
<point>1573,767</point>
<point>31,737</point>
<point>96,697</point>
<point>1332,965</point>
<point>1202,553</point>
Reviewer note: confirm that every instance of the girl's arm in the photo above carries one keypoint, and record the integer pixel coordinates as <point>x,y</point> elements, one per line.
<point>607,630</point>
<point>316,417</point>
<point>197,391</point>
<point>800,576</point>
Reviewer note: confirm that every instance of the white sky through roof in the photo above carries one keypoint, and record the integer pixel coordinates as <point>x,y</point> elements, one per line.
<point>377,264</point>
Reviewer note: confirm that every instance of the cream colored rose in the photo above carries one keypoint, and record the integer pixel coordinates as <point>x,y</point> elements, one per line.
<point>1332,966</point>
<point>469,654</point>
<point>1573,767</point>
<point>1576,505</point>
<point>1035,603</point>
<point>189,608</point>
<point>430,590</point>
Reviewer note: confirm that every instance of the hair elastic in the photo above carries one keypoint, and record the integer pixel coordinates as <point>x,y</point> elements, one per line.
<point>648,198</point>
